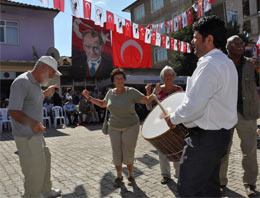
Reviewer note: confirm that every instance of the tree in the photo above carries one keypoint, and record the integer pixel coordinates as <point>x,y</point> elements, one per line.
<point>183,63</point>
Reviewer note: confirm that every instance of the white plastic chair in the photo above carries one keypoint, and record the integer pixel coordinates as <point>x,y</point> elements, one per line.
<point>5,120</point>
<point>58,114</point>
<point>46,117</point>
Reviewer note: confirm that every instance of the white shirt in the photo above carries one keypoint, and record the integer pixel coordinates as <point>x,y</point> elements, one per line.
<point>211,94</point>
<point>97,63</point>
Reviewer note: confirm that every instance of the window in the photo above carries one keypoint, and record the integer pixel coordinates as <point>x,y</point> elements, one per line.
<point>246,11</point>
<point>232,16</point>
<point>156,5</point>
<point>9,32</point>
<point>139,12</point>
<point>160,54</point>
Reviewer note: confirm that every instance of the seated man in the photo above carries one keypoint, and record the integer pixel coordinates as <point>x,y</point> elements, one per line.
<point>83,109</point>
<point>70,110</point>
<point>93,113</point>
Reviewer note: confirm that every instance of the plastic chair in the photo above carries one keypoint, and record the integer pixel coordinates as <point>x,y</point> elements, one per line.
<point>5,120</point>
<point>58,114</point>
<point>46,117</point>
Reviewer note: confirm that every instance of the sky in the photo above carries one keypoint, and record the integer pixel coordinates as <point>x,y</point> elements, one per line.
<point>63,21</point>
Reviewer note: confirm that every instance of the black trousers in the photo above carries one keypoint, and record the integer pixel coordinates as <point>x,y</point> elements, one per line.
<point>200,162</point>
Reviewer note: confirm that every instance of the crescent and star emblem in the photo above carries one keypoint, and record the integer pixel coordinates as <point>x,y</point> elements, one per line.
<point>133,43</point>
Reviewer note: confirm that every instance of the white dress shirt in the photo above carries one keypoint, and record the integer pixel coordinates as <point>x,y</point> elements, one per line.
<point>97,63</point>
<point>211,94</point>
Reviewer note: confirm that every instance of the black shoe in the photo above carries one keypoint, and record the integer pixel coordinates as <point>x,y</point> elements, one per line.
<point>165,180</point>
<point>250,190</point>
<point>223,189</point>
<point>118,181</point>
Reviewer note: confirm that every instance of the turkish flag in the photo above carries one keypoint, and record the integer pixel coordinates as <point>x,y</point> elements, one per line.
<point>180,22</point>
<point>58,4</point>
<point>142,33</point>
<point>200,8</point>
<point>110,21</point>
<point>179,46</point>
<point>130,52</point>
<point>163,37</point>
<point>190,17</point>
<point>172,43</point>
<point>153,42</point>
<point>128,28</point>
<point>171,25</point>
<point>87,9</point>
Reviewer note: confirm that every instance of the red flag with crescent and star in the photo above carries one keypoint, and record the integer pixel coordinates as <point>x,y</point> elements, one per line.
<point>87,9</point>
<point>110,21</point>
<point>130,52</point>
<point>128,28</point>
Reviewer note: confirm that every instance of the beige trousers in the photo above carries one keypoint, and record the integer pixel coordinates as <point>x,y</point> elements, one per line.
<point>246,130</point>
<point>35,160</point>
<point>123,142</point>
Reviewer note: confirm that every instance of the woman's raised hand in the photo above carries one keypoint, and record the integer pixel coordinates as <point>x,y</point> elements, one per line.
<point>148,88</point>
<point>157,89</point>
<point>85,93</point>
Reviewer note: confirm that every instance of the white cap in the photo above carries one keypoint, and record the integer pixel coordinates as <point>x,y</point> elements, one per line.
<point>51,62</point>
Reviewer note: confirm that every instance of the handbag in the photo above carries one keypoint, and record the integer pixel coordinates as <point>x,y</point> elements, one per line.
<point>105,125</point>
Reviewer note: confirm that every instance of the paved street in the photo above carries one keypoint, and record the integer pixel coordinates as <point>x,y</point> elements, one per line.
<point>82,167</point>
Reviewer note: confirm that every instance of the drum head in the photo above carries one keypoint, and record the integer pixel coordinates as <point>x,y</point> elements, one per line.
<point>155,126</point>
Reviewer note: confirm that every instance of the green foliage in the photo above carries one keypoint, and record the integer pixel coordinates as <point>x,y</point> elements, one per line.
<point>183,63</point>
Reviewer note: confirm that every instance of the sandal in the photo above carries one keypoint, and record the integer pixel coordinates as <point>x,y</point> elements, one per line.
<point>118,182</point>
<point>131,181</point>
<point>165,180</point>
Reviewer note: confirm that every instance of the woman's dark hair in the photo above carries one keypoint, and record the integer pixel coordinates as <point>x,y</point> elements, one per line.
<point>212,25</point>
<point>117,71</point>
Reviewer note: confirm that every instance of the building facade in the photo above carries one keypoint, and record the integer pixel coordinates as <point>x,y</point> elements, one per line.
<point>25,31</point>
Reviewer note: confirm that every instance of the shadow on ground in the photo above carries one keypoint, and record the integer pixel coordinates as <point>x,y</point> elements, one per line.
<point>7,135</point>
<point>78,192</point>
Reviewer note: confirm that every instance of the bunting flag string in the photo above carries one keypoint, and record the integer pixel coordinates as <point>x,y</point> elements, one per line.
<point>150,34</point>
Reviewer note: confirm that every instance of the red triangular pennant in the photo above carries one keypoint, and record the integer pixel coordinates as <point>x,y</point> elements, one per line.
<point>87,9</point>
<point>59,4</point>
<point>110,21</point>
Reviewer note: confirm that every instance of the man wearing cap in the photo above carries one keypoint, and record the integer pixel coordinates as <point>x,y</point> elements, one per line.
<point>25,108</point>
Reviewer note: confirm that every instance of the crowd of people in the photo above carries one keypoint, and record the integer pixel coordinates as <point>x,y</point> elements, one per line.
<point>78,109</point>
<point>220,95</point>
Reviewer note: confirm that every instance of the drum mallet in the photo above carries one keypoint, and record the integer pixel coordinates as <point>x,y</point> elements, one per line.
<point>165,112</point>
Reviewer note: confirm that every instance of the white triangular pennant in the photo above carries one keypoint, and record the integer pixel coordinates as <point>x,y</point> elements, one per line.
<point>184,19</point>
<point>167,40</point>
<point>119,24</point>
<point>135,31</point>
<point>147,36</point>
<point>75,9</point>
<point>158,39</point>
<point>99,19</point>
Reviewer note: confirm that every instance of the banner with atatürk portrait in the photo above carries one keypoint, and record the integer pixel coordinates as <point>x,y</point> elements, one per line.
<point>91,50</point>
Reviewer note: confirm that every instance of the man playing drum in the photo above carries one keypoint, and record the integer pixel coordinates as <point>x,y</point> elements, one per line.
<point>208,110</point>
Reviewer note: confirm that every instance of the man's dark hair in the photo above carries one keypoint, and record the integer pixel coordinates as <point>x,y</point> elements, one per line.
<point>93,34</point>
<point>212,25</point>
<point>117,71</point>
